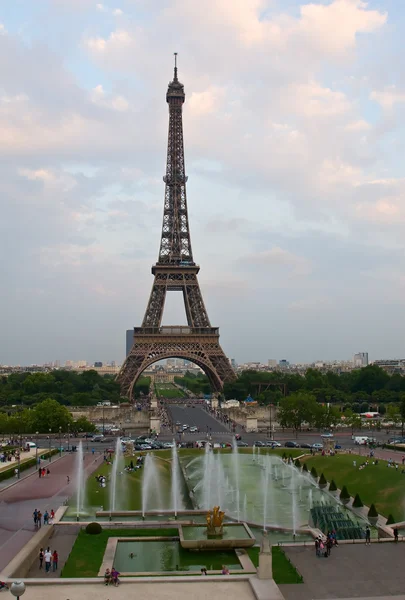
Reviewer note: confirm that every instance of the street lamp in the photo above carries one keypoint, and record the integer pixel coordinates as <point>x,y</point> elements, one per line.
<point>68,437</point>
<point>17,588</point>
<point>36,450</point>
<point>60,440</point>
<point>50,445</point>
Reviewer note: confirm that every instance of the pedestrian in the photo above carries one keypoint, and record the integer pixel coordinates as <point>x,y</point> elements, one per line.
<point>317,548</point>
<point>48,472</point>
<point>35,517</point>
<point>39,473</point>
<point>46,518</point>
<point>48,560</point>
<point>328,545</point>
<point>16,472</point>
<point>41,557</point>
<point>39,518</point>
<point>55,558</point>
<point>52,514</point>
<point>396,533</point>
<point>92,451</point>
<point>68,478</point>
<point>368,536</point>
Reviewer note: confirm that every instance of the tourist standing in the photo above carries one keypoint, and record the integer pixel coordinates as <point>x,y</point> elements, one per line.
<point>46,518</point>
<point>368,536</point>
<point>48,560</point>
<point>55,558</point>
<point>41,557</point>
<point>35,517</point>
<point>39,518</point>
<point>396,533</point>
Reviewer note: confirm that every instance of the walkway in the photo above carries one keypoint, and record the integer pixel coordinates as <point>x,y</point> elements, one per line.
<point>17,502</point>
<point>62,541</point>
<point>351,571</point>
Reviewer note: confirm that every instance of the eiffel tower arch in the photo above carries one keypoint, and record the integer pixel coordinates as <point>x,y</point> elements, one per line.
<point>175,270</point>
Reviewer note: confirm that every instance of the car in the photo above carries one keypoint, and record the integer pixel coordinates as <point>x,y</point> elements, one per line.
<point>168,444</point>
<point>305,445</point>
<point>338,447</point>
<point>273,444</point>
<point>97,438</point>
<point>193,429</point>
<point>317,446</point>
<point>292,445</point>
<point>178,423</point>
<point>145,447</point>
<point>185,426</point>
<point>326,435</point>
<point>259,444</point>
<point>242,444</point>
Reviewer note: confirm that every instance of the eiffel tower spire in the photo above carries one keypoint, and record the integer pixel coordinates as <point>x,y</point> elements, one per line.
<point>175,245</point>
<point>175,270</point>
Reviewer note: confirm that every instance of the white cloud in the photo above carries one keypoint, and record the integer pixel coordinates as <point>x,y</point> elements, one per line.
<point>388,97</point>
<point>279,257</point>
<point>206,102</point>
<point>117,12</point>
<point>117,102</point>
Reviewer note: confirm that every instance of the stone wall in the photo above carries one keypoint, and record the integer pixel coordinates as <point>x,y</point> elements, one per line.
<point>128,416</point>
<point>260,413</point>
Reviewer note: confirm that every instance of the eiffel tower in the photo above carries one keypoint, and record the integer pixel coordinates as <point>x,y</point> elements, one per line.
<point>176,270</point>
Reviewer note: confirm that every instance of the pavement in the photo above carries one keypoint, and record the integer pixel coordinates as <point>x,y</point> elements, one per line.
<point>167,590</point>
<point>62,541</point>
<point>17,502</point>
<point>351,571</point>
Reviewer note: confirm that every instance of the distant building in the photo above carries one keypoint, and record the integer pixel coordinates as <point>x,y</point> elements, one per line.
<point>272,362</point>
<point>283,363</point>
<point>233,363</point>
<point>98,364</point>
<point>360,359</point>
<point>129,341</point>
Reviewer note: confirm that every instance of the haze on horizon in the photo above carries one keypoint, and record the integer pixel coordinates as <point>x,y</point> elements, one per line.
<point>294,141</point>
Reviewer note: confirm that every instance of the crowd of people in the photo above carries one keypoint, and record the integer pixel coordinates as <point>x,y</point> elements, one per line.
<point>50,558</point>
<point>47,517</point>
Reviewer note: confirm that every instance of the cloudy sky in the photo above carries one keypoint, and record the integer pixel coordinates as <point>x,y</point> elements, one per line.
<point>294,150</point>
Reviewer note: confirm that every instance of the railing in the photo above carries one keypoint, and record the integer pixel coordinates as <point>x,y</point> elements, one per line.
<point>176,330</point>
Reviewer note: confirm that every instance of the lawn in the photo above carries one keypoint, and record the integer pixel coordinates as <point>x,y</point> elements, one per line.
<point>378,484</point>
<point>283,570</point>
<point>87,553</point>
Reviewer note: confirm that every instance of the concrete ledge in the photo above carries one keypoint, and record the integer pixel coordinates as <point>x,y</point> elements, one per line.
<point>20,565</point>
<point>140,580</point>
<point>265,589</point>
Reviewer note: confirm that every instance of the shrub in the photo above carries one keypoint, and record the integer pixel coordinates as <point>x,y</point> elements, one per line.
<point>94,528</point>
<point>344,494</point>
<point>284,455</point>
<point>297,463</point>
<point>322,480</point>
<point>357,503</point>
<point>372,512</point>
<point>314,473</point>
<point>305,468</point>
<point>332,486</point>
<point>390,519</point>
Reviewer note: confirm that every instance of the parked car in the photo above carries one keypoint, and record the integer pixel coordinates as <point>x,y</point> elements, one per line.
<point>292,445</point>
<point>317,446</point>
<point>145,447</point>
<point>326,435</point>
<point>338,447</point>
<point>273,444</point>
<point>260,444</point>
<point>168,444</point>
<point>242,444</point>
<point>305,445</point>
<point>193,429</point>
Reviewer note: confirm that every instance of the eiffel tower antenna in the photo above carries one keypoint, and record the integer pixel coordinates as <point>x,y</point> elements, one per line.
<point>175,270</point>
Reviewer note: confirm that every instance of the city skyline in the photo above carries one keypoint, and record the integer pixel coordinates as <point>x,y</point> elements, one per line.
<point>296,197</point>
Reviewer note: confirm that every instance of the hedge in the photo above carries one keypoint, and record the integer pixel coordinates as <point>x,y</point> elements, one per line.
<point>297,463</point>
<point>372,511</point>
<point>322,480</point>
<point>344,494</point>
<point>8,473</point>
<point>357,503</point>
<point>305,468</point>
<point>314,473</point>
<point>390,519</point>
<point>332,486</point>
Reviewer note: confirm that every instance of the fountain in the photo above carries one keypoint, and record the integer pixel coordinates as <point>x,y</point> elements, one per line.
<point>215,518</point>
<point>80,481</point>
<point>151,485</point>
<point>176,483</point>
<point>113,482</point>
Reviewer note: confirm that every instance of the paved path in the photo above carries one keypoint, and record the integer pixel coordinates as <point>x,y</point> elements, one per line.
<point>62,541</point>
<point>351,571</point>
<point>18,502</point>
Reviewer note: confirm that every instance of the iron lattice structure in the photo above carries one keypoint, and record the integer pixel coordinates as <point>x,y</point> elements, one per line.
<point>176,270</point>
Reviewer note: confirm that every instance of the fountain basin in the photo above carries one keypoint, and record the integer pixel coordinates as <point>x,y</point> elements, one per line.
<point>234,535</point>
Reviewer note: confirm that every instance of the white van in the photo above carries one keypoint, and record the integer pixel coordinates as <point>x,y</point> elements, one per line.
<point>360,440</point>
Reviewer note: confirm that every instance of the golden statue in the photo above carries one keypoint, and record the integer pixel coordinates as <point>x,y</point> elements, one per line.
<point>215,519</point>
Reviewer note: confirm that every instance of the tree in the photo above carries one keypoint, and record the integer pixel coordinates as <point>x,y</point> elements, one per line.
<point>357,503</point>
<point>402,413</point>
<point>296,409</point>
<point>50,415</point>
<point>393,414</point>
<point>83,424</point>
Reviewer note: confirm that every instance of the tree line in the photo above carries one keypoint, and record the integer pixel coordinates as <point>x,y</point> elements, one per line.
<point>66,387</point>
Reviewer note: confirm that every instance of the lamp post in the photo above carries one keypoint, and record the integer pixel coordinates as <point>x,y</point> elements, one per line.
<point>60,441</point>
<point>36,450</point>
<point>49,445</point>
<point>17,588</point>
<point>68,437</point>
